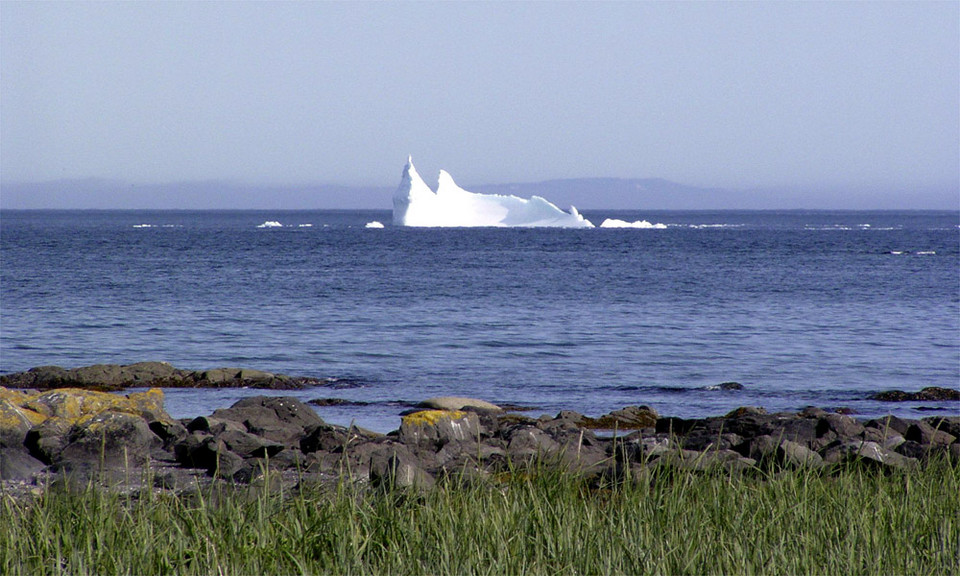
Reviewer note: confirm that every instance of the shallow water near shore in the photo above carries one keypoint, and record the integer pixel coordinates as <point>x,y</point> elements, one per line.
<point>802,308</point>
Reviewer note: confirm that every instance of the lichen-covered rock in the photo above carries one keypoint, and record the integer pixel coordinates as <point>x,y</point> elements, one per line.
<point>110,439</point>
<point>435,428</point>
<point>15,422</point>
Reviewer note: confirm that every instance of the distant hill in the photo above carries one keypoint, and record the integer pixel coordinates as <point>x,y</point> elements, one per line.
<point>584,193</point>
<point>622,193</point>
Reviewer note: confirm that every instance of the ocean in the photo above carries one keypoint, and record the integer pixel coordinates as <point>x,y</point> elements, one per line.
<point>800,307</point>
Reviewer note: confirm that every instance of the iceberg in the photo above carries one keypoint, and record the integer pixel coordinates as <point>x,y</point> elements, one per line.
<point>415,204</point>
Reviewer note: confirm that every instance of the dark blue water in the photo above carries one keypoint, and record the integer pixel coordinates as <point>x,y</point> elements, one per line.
<point>803,308</point>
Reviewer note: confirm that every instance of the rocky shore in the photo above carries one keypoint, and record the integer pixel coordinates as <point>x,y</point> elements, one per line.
<point>75,435</point>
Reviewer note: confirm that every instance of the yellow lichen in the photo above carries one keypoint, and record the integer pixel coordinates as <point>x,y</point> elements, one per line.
<point>76,405</point>
<point>432,417</point>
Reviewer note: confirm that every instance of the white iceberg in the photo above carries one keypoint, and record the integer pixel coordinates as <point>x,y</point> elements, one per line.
<point>415,204</point>
<point>374,224</point>
<point>614,223</point>
<point>270,224</point>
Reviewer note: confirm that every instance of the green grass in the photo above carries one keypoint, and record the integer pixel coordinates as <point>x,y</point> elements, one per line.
<point>850,521</point>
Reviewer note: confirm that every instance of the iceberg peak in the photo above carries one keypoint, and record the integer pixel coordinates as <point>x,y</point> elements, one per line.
<point>415,204</point>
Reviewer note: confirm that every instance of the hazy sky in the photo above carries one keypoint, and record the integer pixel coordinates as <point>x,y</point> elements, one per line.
<point>758,94</point>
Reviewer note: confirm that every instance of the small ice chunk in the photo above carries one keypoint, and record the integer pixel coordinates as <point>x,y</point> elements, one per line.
<point>373,224</point>
<point>615,223</point>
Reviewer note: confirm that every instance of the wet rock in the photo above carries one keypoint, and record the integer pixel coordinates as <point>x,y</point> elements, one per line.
<point>928,394</point>
<point>324,402</point>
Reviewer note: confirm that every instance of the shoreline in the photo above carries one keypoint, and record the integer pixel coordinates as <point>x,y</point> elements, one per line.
<point>75,435</point>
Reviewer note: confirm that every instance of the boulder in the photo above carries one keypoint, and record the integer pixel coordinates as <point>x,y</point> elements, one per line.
<point>457,403</point>
<point>870,453</point>
<point>46,440</point>
<point>432,429</point>
<point>247,445</point>
<point>15,422</point>
<point>924,433</point>
<point>890,424</point>
<point>17,464</point>
<point>110,439</point>
<point>394,466</point>
<point>948,424</point>
<point>281,419</point>
<point>844,427</point>
<point>629,418</point>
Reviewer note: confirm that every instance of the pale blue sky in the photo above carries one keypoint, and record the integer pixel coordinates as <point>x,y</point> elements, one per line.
<point>831,95</point>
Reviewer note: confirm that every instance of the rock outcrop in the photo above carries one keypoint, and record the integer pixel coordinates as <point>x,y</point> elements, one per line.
<point>114,377</point>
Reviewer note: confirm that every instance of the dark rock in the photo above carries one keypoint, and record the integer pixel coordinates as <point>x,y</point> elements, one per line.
<point>247,445</point>
<point>675,426</point>
<point>323,402</point>
<point>98,376</point>
<point>890,423</point>
<point>948,424</point>
<point>629,418</point>
<point>912,449</point>
<point>111,439</point>
<point>17,464</point>
<point>726,386</point>
<point>213,425</point>
<point>280,419</point>
<point>845,427</point>
<point>394,466</point>
<point>926,434</point>
<point>528,442</point>
<point>928,394</point>
<point>746,411</point>
<point>47,440</point>
<point>169,431</point>
<point>869,453</point>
